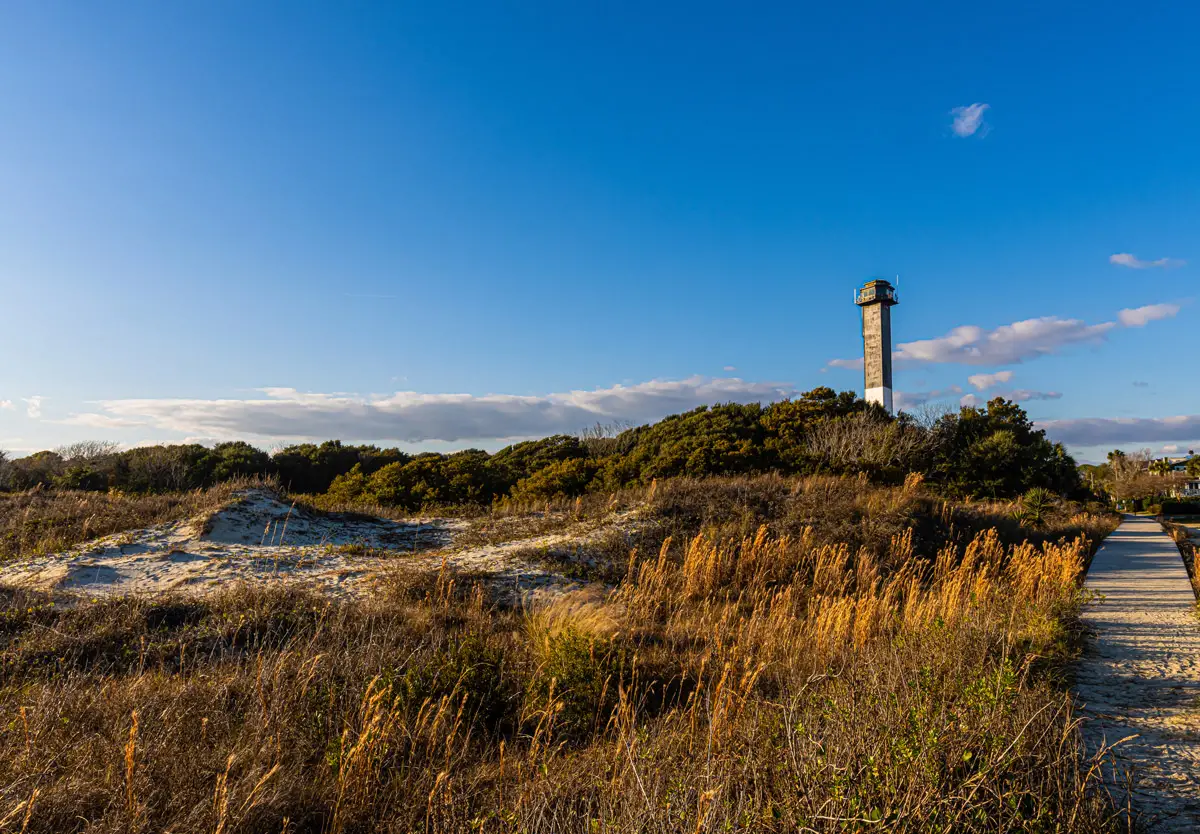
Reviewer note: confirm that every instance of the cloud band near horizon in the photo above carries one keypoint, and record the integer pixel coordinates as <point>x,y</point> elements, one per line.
<point>411,417</point>
<point>1114,431</point>
<point>285,414</point>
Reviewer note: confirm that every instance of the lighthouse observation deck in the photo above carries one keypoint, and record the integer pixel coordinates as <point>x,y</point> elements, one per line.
<point>877,292</point>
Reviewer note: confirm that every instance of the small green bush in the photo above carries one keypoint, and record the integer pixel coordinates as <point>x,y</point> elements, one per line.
<point>468,668</point>
<point>564,479</point>
<point>1035,505</point>
<point>578,678</point>
<point>1179,508</point>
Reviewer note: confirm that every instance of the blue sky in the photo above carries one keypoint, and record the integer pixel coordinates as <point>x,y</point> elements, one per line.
<point>450,224</point>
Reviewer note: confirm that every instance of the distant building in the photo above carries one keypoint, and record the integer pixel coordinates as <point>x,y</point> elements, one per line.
<point>1188,489</point>
<point>1179,464</point>
<point>876,299</point>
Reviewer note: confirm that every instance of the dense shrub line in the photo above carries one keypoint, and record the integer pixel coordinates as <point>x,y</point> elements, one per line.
<point>992,451</point>
<point>1177,507</point>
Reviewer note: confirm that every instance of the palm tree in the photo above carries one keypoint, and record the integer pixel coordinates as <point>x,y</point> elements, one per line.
<point>1162,466</point>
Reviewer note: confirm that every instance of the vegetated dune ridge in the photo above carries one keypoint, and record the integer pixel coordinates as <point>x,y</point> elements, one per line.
<point>816,654</point>
<point>255,537</point>
<point>260,538</point>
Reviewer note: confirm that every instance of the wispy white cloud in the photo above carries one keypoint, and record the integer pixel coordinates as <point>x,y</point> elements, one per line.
<point>1141,316</point>
<point>33,406</point>
<point>969,119</point>
<point>6,405</point>
<point>410,417</point>
<point>1019,395</point>
<point>1004,345</point>
<point>1014,343</point>
<point>729,369</point>
<point>1007,344</point>
<point>982,382</point>
<point>1112,431</point>
<point>1133,262</point>
<point>1024,395</point>
<point>100,421</point>
<point>903,400</point>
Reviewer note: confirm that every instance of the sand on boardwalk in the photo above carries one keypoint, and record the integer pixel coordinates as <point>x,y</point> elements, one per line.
<point>259,538</point>
<point>1140,673</point>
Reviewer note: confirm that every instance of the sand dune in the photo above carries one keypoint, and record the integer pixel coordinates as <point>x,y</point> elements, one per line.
<point>260,538</point>
<point>256,538</point>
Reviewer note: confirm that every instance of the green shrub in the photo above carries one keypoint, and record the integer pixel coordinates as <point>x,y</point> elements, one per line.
<point>577,679</point>
<point>524,459</point>
<point>1176,507</point>
<point>82,476</point>
<point>1035,505</point>
<point>466,668</point>
<point>564,479</point>
<point>349,488</point>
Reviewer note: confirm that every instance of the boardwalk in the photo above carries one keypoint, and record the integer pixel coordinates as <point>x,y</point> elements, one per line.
<point>1141,671</point>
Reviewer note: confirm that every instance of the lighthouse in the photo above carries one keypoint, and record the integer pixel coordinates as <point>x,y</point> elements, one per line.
<point>876,298</point>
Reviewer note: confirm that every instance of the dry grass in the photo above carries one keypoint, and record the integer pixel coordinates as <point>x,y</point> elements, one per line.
<point>829,509</point>
<point>36,522</point>
<point>777,681</point>
<point>506,520</point>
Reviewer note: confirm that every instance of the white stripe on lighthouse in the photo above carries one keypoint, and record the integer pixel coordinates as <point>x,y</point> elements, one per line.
<point>881,395</point>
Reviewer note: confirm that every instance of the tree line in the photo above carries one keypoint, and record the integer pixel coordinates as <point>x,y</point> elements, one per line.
<point>1140,481</point>
<point>992,451</point>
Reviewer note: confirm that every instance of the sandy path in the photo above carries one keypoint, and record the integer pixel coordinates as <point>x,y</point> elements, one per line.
<point>1141,671</point>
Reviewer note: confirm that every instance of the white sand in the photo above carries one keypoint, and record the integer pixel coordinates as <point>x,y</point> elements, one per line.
<point>1141,672</point>
<point>518,579</point>
<point>258,538</point>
